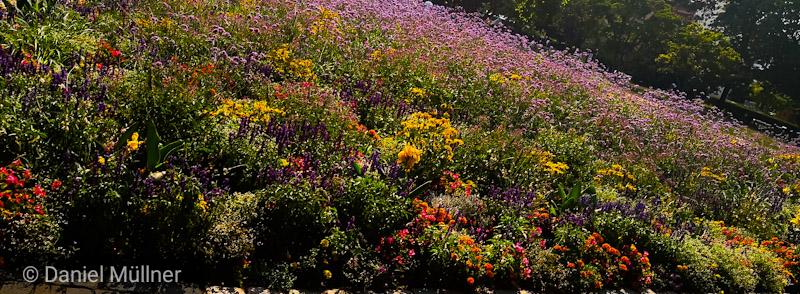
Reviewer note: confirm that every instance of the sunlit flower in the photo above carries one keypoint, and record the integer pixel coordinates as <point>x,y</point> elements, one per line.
<point>409,156</point>
<point>555,167</point>
<point>133,143</point>
<point>418,92</point>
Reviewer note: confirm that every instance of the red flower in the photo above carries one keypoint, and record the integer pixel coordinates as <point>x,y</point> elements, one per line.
<point>470,281</point>
<point>115,53</point>
<point>38,191</point>
<point>570,265</point>
<point>39,209</point>
<point>55,185</point>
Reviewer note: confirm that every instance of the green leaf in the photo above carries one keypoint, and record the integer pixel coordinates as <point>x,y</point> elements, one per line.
<point>359,169</point>
<point>166,150</point>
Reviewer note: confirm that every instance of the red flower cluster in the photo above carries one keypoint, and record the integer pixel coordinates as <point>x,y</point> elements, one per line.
<point>17,197</point>
<point>429,215</point>
<point>786,252</point>
<point>603,264</point>
<point>452,183</point>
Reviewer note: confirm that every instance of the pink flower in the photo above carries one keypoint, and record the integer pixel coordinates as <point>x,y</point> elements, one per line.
<point>518,248</point>
<point>12,180</point>
<point>527,273</point>
<point>411,253</point>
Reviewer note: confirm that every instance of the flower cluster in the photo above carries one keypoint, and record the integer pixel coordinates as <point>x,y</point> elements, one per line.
<point>502,78</point>
<point>617,176</point>
<point>255,111</point>
<point>434,136</point>
<point>545,159</point>
<point>283,61</point>
<point>17,195</point>
<point>453,184</point>
<point>600,263</point>
<point>325,22</point>
<point>707,172</point>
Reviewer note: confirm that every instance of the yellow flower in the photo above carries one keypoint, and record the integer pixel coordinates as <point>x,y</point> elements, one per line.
<point>302,69</point>
<point>796,220</point>
<point>201,202</point>
<point>101,160</point>
<point>418,92</point>
<point>375,54</point>
<point>283,162</point>
<point>431,133</point>
<point>409,156</point>
<point>706,172</point>
<point>497,78</point>
<point>515,77</point>
<point>327,274</point>
<point>324,243</point>
<point>282,54</point>
<point>133,143</point>
<point>555,167</point>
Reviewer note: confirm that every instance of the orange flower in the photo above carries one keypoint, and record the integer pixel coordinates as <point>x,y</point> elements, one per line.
<point>570,265</point>
<point>409,156</point>
<point>623,267</point>
<point>488,266</point>
<point>625,260</point>
<point>470,281</point>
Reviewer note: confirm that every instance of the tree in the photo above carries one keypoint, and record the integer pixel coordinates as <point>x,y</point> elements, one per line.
<point>767,33</point>
<point>700,59</point>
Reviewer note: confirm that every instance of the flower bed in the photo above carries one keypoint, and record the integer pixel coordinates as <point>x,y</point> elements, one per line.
<point>370,144</point>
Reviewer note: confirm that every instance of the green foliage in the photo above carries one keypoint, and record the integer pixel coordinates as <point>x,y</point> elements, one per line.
<point>699,57</point>
<point>373,206</point>
<point>292,219</point>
